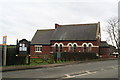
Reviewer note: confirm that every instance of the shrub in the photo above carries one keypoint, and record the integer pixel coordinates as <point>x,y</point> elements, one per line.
<point>76,56</point>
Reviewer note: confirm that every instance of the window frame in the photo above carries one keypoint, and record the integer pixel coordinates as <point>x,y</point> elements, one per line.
<point>61,47</point>
<point>74,47</point>
<point>89,47</point>
<point>70,47</point>
<point>38,48</point>
<point>56,47</point>
<point>84,48</point>
<point>22,47</point>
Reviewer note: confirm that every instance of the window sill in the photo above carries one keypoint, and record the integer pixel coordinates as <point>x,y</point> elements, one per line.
<point>38,51</point>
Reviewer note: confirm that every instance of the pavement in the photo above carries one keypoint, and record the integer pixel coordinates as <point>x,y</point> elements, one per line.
<point>15,68</point>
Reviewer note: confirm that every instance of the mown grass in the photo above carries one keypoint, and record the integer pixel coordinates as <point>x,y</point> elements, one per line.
<point>38,61</point>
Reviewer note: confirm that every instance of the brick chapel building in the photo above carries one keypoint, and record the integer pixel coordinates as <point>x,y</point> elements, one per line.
<point>68,38</point>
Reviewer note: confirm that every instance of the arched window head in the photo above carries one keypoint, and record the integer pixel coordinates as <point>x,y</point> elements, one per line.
<point>75,44</point>
<point>69,44</point>
<point>56,44</point>
<point>84,44</point>
<point>90,44</point>
<point>61,44</point>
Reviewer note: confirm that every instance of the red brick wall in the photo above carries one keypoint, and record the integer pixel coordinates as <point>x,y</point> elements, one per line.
<point>45,49</point>
<point>32,49</point>
<point>94,49</point>
<point>105,52</point>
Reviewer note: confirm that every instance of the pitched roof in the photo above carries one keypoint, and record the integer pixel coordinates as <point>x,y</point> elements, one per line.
<point>104,44</point>
<point>42,36</point>
<point>75,32</point>
<point>67,32</point>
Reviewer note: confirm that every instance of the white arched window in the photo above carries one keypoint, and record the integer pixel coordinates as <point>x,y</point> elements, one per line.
<point>90,47</point>
<point>61,46</point>
<point>55,44</point>
<point>69,44</point>
<point>74,47</point>
<point>75,44</point>
<point>90,44</point>
<point>56,47</point>
<point>84,44</point>
<point>84,47</point>
<point>70,47</point>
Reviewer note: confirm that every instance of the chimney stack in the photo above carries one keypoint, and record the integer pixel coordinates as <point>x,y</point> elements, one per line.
<point>56,25</point>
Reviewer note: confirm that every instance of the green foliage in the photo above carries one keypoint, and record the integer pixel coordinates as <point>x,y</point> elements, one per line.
<point>77,56</point>
<point>11,46</point>
<point>39,61</point>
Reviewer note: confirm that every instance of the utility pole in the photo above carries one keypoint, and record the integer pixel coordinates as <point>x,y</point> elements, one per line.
<point>4,55</point>
<point>4,50</point>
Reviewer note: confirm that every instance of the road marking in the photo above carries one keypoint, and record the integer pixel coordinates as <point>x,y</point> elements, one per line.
<point>103,69</point>
<point>68,76</point>
<point>83,73</point>
<point>114,67</point>
<point>86,73</point>
<point>78,74</point>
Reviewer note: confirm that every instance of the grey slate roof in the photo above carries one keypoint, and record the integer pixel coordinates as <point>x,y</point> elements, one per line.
<point>66,32</point>
<point>42,36</point>
<point>75,32</point>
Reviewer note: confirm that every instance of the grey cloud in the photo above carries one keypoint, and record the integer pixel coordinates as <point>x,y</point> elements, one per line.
<point>22,18</point>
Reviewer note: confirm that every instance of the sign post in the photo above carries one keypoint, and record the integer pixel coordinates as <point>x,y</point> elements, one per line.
<point>5,50</point>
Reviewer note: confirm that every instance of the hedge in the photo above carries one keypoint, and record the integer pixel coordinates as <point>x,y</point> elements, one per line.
<point>75,56</point>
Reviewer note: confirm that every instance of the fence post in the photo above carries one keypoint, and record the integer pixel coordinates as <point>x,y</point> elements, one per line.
<point>55,57</point>
<point>28,59</point>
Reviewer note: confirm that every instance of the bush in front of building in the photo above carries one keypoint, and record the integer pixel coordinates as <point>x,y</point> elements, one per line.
<point>76,56</point>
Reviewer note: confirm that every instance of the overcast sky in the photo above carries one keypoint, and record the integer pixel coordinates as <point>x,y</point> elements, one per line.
<point>21,18</point>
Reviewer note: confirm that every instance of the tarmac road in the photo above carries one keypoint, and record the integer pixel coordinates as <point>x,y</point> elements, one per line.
<point>87,71</point>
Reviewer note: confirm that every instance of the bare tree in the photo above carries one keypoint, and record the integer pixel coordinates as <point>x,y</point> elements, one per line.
<point>113,32</point>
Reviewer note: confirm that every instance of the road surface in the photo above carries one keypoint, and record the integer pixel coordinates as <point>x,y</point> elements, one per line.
<point>98,69</point>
